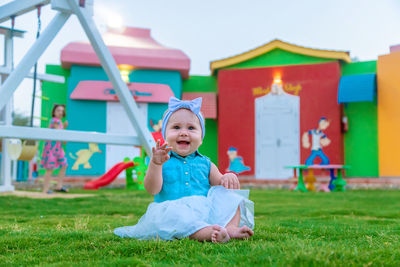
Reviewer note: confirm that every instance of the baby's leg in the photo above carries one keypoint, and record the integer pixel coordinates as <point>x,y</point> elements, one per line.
<point>233,228</point>
<point>215,234</point>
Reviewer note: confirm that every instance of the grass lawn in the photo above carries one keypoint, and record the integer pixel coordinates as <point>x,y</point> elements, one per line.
<point>297,229</point>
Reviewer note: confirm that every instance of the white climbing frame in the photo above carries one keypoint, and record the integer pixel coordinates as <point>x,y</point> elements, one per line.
<point>6,171</point>
<point>64,9</point>
<point>6,117</point>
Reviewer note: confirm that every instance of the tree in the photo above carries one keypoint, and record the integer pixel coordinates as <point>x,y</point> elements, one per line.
<point>20,119</point>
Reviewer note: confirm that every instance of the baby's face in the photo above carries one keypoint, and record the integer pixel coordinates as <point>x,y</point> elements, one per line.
<point>183,132</point>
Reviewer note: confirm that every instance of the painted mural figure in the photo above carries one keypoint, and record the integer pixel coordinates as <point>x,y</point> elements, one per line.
<point>156,133</point>
<point>319,140</point>
<point>236,162</point>
<point>83,156</point>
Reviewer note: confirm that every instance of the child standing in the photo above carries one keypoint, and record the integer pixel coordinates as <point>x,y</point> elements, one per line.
<point>192,198</point>
<point>53,155</point>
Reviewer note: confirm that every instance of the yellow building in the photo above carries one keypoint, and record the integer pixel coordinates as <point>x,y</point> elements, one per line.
<point>388,79</point>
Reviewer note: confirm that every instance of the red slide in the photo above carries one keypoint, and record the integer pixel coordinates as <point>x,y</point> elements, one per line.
<point>109,176</point>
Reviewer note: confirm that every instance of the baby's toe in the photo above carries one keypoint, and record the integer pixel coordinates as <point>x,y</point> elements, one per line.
<point>214,237</point>
<point>216,227</point>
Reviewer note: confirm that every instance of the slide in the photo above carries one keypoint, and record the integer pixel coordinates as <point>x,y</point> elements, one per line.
<point>109,176</point>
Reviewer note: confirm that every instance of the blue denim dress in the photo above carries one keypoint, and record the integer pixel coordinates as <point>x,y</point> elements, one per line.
<point>186,203</point>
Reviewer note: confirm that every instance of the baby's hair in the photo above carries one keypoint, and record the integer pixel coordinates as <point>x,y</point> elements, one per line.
<point>54,110</point>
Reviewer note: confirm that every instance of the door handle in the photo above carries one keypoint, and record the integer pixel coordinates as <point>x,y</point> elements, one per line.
<point>278,142</point>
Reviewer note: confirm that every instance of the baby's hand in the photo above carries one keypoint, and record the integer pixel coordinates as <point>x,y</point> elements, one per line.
<point>230,181</point>
<point>160,153</point>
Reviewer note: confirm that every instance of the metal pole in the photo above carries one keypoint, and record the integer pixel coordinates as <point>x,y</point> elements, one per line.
<point>5,173</point>
<point>19,7</point>
<point>35,70</point>
<point>10,85</point>
<point>110,67</point>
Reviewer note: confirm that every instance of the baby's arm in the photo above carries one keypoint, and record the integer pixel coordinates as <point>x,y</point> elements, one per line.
<point>228,180</point>
<point>153,180</point>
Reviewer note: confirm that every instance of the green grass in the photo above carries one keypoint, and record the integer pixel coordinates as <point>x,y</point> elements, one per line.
<point>292,229</point>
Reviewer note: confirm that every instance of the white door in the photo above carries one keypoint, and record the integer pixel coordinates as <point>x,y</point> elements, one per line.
<point>118,123</point>
<point>277,136</point>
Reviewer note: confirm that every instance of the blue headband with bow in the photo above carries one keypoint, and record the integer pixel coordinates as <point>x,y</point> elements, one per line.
<point>175,104</point>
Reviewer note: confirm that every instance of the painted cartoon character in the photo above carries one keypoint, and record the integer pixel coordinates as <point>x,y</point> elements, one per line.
<point>157,131</point>
<point>236,162</point>
<point>84,155</point>
<point>156,127</point>
<point>319,140</point>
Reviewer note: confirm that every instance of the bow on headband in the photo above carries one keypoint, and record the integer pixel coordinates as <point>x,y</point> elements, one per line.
<point>175,104</point>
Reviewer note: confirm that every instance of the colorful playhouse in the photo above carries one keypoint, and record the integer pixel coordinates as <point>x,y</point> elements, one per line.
<point>276,105</point>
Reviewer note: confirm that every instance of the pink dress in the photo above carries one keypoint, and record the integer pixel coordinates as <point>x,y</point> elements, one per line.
<point>53,155</point>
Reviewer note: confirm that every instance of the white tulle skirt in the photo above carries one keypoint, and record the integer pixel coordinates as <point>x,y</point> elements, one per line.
<point>177,219</point>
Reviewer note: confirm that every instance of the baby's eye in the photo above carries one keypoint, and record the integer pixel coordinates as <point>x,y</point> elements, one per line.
<point>176,127</point>
<point>191,128</point>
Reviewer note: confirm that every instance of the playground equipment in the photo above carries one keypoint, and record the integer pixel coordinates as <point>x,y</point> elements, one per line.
<point>130,183</point>
<point>14,148</point>
<point>7,171</point>
<point>29,149</point>
<point>109,176</point>
<point>336,183</point>
<point>140,169</point>
<point>6,111</point>
<point>83,10</point>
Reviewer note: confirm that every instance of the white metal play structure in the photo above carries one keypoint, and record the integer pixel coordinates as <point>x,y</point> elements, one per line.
<point>65,8</point>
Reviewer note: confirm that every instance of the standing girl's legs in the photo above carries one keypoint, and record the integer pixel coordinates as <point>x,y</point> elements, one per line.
<point>47,178</point>
<point>233,228</point>
<point>61,176</point>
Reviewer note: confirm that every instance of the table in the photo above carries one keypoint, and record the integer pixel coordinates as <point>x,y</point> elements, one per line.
<point>336,183</point>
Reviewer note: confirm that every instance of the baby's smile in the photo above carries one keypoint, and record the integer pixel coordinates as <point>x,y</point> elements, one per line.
<point>183,143</point>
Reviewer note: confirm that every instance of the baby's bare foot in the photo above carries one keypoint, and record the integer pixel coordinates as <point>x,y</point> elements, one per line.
<point>240,233</point>
<point>219,234</point>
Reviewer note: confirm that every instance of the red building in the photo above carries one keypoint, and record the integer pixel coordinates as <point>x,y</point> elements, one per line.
<point>266,129</point>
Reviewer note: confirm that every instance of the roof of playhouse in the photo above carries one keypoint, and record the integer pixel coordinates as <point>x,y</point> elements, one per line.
<point>133,47</point>
<point>103,91</point>
<point>278,44</point>
<point>209,104</point>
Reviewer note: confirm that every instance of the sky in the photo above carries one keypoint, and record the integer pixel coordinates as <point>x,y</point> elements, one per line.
<point>208,30</point>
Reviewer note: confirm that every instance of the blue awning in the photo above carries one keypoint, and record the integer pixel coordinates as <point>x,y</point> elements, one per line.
<point>357,88</point>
